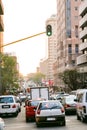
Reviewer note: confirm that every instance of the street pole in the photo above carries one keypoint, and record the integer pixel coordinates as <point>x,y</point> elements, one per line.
<point>0,77</point>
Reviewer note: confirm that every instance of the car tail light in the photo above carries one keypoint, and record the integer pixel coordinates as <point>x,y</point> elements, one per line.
<point>38,111</point>
<point>62,110</point>
<point>67,105</point>
<point>14,106</point>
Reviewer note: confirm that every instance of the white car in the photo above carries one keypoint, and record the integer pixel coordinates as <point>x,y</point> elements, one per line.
<point>9,105</point>
<point>2,124</point>
<point>50,111</point>
<point>81,99</point>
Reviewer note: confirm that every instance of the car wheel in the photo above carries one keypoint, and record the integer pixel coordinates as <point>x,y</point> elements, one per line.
<point>37,124</point>
<point>63,123</point>
<point>16,114</point>
<point>27,119</point>
<point>19,109</point>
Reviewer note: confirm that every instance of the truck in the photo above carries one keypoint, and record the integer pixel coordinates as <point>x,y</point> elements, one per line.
<point>39,92</point>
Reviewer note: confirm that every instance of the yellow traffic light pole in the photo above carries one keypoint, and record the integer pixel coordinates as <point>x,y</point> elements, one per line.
<point>22,39</point>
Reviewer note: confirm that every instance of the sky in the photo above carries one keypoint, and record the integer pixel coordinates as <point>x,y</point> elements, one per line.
<point>24,18</point>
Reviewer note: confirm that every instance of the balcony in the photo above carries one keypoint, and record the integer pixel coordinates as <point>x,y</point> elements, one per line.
<point>83,34</point>
<point>82,46</point>
<point>83,8</point>
<point>1,24</point>
<point>1,8</point>
<point>83,21</point>
<point>82,59</point>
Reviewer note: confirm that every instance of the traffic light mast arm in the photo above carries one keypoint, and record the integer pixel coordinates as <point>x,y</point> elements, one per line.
<point>22,39</point>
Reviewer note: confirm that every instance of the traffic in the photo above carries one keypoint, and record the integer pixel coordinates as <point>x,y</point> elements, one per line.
<point>44,112</point>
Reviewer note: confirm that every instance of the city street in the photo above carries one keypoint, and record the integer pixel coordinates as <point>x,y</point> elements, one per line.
<point>19,123</point>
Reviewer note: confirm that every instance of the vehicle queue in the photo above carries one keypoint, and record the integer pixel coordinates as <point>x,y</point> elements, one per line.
<point>46,111</point>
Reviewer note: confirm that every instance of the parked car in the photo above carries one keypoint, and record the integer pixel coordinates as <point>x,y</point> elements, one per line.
<point>9,105</point>
<point>81,99</point>
<point>22,97</point>
<point>50,111</point>
<point>69,104</point>
<point>2,124</point>
<point>30,107</point>
<point>19,100</point>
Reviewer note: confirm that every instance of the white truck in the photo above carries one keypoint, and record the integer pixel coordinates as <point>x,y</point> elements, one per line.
<point>39,92</point>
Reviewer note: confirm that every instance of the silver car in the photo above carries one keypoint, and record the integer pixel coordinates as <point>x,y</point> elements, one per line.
<point>50,111</point>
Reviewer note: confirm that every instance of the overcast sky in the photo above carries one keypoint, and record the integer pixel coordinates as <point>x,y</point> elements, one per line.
<point>23,18</point>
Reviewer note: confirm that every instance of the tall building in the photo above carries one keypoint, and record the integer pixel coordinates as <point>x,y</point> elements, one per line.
<point>44,67</point>
<point>1,25</point>
<point>82,59</point>
<point>52,50</point>
<point>67,36</point>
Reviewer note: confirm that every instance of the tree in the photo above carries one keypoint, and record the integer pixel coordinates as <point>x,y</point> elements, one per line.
<point>37,77</point>
<point>8,73</point>
<point>71,78</point>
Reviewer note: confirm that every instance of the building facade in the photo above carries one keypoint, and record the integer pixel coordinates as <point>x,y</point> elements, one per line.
<point>52,46</point>
<point>67,37</point>
<point>1,25</point>
<point>82,59</point>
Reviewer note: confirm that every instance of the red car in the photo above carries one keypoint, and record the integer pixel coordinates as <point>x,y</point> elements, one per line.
<point>30,108</point>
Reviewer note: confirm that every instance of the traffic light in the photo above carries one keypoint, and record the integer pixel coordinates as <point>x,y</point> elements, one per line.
<point>49,30</point>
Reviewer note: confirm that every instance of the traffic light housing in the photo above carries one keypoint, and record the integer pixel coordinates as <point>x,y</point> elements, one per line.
<point>49,30</point>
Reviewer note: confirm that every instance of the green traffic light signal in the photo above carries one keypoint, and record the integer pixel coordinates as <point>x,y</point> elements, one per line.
<point>49,30</point>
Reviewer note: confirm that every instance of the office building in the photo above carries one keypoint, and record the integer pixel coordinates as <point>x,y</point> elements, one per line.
<point>67,37</point>
<point>1,25</point>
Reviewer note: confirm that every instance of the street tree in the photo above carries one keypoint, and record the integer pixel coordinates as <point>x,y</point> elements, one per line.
<point>8,73</point>
<point>37,78</point>
<point>71,79</point>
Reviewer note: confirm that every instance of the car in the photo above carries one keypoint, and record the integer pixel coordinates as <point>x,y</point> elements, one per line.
<point>50,111</point>
<point>19,100</point>
<point>30,107</point>
<point>61,95</point>
<point>69,104</point>
<point>9,105</point>
<point>81,99</point>
<point>2,124</point>
<point>22,97</point>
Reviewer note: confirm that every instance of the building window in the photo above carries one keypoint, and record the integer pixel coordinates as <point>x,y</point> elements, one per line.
<point>76,31</point>
<point>76,17</point>
<point>76,8</point>
<point>76,48</point>
<point>69,48</point>
<point>68,33</point>
<point>73,62</point>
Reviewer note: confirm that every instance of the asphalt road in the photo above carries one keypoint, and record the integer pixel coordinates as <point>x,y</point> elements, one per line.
<point>19,123</point>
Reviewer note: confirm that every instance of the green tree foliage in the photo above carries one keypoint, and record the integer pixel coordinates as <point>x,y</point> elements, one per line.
<point>37,77</point>
<point>9,73</point>
<point>71,79</point>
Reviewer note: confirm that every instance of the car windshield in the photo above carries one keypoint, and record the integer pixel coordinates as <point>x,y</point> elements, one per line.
<point>6,100</point>
<point>50,105</point>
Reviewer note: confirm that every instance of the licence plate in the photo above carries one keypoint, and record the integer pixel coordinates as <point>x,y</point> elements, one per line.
<point>5,106</point>
<point>50,119</point>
